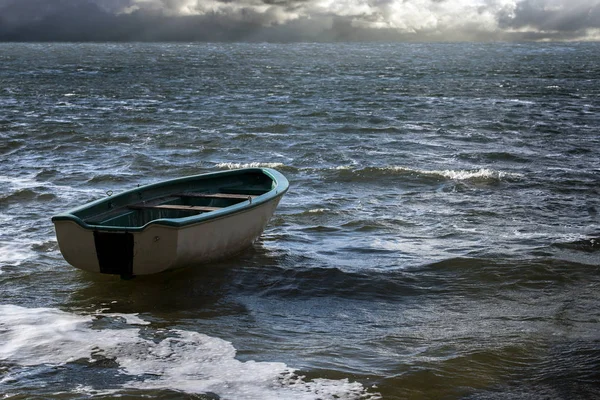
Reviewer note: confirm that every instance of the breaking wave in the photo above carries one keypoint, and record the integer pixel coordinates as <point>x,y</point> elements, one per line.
<point>230,165</point>
<point>475,175</point>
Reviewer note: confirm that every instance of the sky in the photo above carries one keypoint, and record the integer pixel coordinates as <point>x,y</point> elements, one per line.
<point>299,20</point>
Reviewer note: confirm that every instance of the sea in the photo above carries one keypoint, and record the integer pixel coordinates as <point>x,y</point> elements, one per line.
<point>440,238</point>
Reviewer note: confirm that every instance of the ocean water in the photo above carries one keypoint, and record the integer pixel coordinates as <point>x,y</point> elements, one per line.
<point>440,238</point>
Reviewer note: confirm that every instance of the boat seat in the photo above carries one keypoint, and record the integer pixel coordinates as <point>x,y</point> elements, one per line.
<point>176,207</point>
<point>218,195</point>
<point>155,204</point>
<point>245,191</point>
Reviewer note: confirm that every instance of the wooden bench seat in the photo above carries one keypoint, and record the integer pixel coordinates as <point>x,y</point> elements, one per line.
<point>156,203</point>
<point>217,195</point>
<point>175,207</point>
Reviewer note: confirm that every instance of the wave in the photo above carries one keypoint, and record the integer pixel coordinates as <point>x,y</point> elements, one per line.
<point>289,277</point>
<point>230,165</point>
<point>25,195</point>
<point>272,128</point>
<point>480,174</point>
<point>314,282</point>
<point>583,251</point>
<point>29,189</point>
<point>352,172</point>
<point>11,146</point>
<point>111,178</point>
<point>18,183</point>
<point>495,156</point>
<point>14,253</point>
<point>155,358</point>
<point>586,245</point>
<point>474,175</point>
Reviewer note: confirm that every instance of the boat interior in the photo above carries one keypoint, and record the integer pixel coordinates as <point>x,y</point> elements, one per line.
<point>176,204</point>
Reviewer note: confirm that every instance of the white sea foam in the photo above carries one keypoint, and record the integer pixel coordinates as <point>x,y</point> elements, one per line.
<point>249,165</point>
<point>14,252</point>
<point>18,182</point>
<point>131,319</point>
<point>482,173</point>
<point>461,174</point>
<point>34,336</point>
<point>457,175</point>
<point>179,360</point>
<point>15,247</point>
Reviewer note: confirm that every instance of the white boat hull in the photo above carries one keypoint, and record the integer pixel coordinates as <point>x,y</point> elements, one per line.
<point>159,247</point>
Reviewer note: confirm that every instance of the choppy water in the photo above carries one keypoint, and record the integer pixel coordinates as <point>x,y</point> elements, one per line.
<point>439,239</point>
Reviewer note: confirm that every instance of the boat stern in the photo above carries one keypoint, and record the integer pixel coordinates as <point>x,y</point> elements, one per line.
<point>117,252</point>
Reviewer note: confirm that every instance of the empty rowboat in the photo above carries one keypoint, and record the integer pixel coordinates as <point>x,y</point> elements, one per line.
<point>171,224</point>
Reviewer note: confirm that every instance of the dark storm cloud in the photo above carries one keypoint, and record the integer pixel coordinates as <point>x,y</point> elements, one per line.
<point>547,20</point>
<point>554,16</point>
<point>81,20</point>
<point>294,20</point>
<point>52,20</point>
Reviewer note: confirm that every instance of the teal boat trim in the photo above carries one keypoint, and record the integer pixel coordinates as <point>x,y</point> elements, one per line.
<point>79,215</point>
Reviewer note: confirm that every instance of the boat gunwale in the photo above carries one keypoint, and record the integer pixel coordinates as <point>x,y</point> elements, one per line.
<point>281,186</point>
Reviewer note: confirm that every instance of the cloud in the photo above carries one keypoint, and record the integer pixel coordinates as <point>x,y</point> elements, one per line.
<point>554,18</point>
<point>299,20</point>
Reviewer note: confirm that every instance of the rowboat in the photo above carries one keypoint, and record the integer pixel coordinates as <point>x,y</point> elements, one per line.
<point>171,224</point>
